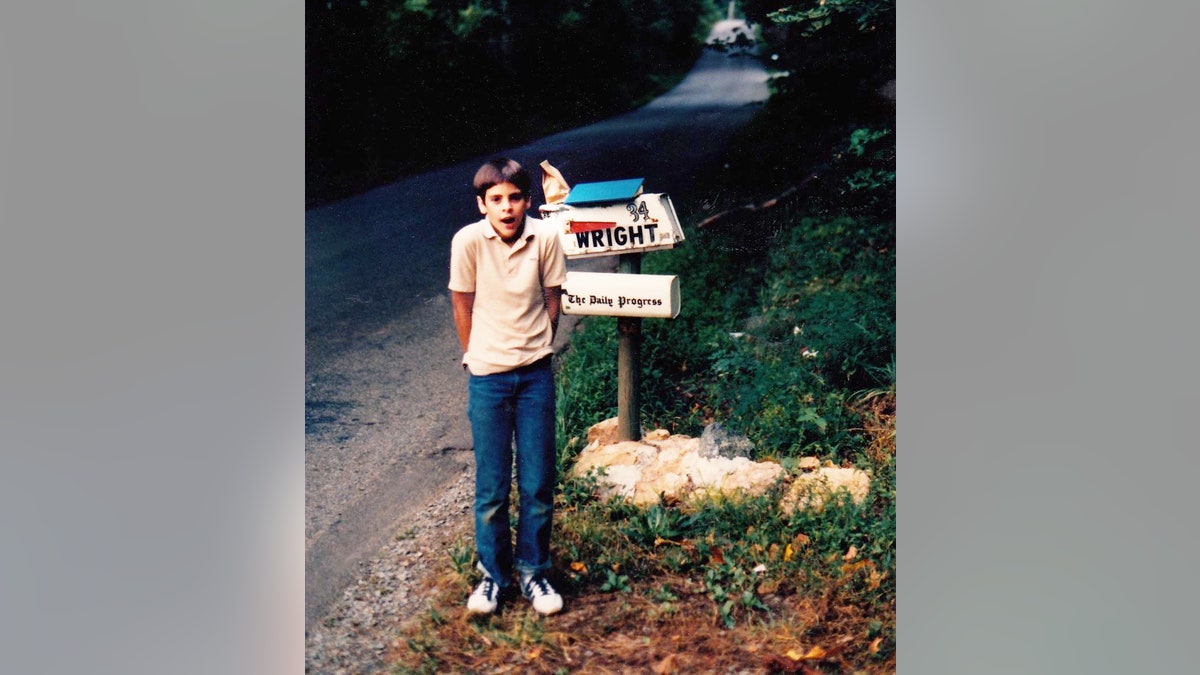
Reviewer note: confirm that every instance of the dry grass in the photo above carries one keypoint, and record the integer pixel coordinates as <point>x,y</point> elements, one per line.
<point>880,427</point>
<point>627,632</point>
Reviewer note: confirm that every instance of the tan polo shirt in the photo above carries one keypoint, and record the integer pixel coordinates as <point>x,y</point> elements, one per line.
<point>510,326</point>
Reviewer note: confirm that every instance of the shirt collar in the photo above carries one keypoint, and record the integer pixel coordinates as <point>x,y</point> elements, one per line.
<point>489,232</point>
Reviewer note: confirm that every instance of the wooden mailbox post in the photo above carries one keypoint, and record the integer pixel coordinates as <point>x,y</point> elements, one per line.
<point>616,218</point>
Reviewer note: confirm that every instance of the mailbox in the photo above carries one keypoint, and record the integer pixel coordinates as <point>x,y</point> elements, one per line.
<point>612,217</point>
<point>602,294</point>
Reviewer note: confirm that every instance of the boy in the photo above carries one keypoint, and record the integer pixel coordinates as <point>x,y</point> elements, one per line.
<point>506,274</point>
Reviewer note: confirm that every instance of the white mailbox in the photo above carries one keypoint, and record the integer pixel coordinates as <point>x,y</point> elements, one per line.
<point>601,294</point>
<point>612,217</point>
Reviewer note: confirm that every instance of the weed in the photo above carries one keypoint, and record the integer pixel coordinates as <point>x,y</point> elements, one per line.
<point>462,556</point>
<point>886,378</point>
<point>614,582</point>
<point>580,491</point>
<point>655,524</point>
<point>732,591</point>
<point>663,594</point>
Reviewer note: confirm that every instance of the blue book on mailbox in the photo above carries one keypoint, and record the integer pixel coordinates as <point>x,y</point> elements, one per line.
<point>606,191</point>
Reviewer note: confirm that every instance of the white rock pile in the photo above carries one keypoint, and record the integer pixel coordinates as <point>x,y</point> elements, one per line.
<point>677,467</point>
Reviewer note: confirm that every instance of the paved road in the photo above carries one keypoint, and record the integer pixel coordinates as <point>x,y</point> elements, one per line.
<point>386,397</point>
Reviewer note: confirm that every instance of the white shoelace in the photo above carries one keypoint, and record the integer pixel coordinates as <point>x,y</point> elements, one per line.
<point>486,590</point>
<point>538,586</point>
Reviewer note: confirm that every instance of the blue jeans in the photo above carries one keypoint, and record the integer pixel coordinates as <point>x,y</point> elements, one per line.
<point>520,404</point>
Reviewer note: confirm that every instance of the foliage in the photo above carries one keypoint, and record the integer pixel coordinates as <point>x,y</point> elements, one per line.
<point>867,15</point>
<point>395,86</point>
<point>773,340</point>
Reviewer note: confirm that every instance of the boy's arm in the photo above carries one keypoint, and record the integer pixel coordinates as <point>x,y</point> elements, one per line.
<point>553,297</point>
<point>464,306</point>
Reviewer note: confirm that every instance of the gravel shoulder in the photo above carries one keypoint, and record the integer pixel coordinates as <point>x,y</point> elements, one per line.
<point>354,637</point>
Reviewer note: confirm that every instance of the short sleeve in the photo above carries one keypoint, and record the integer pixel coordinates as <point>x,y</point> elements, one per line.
<point>462,262</point>
<point>554,263</point>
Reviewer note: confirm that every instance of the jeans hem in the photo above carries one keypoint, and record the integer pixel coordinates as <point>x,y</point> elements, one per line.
<point>524,570</point>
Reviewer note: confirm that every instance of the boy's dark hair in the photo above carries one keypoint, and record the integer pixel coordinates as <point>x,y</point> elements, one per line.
<point>501,170</point>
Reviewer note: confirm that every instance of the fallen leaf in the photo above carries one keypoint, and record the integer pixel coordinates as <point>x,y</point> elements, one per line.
<point>851,568</point>
<point>718,557</point>
<point>814,654</point>
<point>579,567</point>
<point>801,539</point>
<point>534,653</point>
<point>874,648</point>
<point>851,554</point>
<point>874,580</point>
<point>787,553</point>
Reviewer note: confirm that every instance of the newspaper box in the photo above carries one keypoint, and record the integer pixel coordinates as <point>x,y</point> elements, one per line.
<point>640,295</point>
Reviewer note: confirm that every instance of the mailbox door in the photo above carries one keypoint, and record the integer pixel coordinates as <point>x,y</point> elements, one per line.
<point>646,223</point>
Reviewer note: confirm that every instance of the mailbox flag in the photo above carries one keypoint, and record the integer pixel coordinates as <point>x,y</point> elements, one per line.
<point>554,186</point>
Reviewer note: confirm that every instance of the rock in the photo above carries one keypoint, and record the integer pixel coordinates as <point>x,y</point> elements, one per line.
<point>716,441</point>
<point>607,433</point>
<point>657,435</point>
<point>812,490</point>
<point>809,464</point>
<point>615,454</point>
<point>672,467</point>
<point>683,468</point>
<point>603,433</point>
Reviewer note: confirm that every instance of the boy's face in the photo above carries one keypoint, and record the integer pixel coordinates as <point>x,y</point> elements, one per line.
<point>504,205</point>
